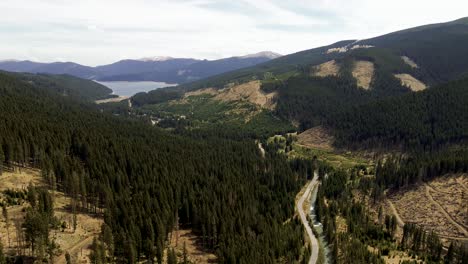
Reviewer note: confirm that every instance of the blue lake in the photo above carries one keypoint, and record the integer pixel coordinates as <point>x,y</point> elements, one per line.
<point>131,88</point>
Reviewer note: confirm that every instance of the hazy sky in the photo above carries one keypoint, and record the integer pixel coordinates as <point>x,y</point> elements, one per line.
<point>102,31</point>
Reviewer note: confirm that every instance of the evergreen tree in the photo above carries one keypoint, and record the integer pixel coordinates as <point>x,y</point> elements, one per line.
<point>2,255</point>
<point>7,222</point>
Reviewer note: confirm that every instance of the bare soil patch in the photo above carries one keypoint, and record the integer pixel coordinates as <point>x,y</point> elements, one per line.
<point>441,208</point>
<point>396,257</point>
<point>450,193</point>
<point>329,68</point>
<point>112,100</point>
<point>407,80</point>
<point>195,252</point>
<point>20,178</point>
<point>209,91</point>
<point>316,137</point>
<point>250,92</point>
<point>409,61</point>
<point>76,243</point>
<point>363,72</point>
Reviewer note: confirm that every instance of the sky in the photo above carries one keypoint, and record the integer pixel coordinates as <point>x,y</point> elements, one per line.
<point>96,32</point>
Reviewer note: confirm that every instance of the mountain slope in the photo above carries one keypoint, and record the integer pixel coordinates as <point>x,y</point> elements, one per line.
<point>170,70</point>
<point>322,85</point>
<point>439,51</point>
<point>50,68</point>
<point>148,182</point>
<point>431,118</point>
<point>65,85</point>
<point>185,70</point>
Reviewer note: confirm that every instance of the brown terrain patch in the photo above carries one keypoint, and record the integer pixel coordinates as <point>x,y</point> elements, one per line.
<point>363,71</point>
<point>76,243</point>
<point>329,68</point>
<point>409,81</point>
<point>209,91</point>
<point>341,225</point>
<point>409,61</point>
<point>195,252</point>
<point>112,100</point>
<point>397,256</point>
<point>249,92</point>
<point>316,137</point>
<point>440,205</point>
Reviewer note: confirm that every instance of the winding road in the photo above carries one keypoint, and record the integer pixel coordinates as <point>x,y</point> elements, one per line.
<point>313,240</point>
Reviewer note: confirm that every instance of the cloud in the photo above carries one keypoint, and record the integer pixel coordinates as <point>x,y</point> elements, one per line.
<point>97,32</point>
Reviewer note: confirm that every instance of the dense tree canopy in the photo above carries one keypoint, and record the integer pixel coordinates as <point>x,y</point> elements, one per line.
<point>148,181</point>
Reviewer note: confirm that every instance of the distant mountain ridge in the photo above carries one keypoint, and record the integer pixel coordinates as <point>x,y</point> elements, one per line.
<point>163,69</point>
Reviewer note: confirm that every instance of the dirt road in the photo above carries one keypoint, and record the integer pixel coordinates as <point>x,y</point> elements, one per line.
<point>313,240</point>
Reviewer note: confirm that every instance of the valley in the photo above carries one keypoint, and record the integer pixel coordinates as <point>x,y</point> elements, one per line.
<point>354,152</point>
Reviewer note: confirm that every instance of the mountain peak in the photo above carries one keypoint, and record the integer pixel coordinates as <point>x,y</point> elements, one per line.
<point>264,54</point>
<point>9,60</point>
<point>463,20</point>
<point>157,58</point>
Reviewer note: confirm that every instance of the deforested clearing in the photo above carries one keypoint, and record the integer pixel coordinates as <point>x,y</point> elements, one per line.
<point>209,91</point>
<point>112,100</point>
<point>409,61</point>
<point>439,205</point>
<point>363,71</point>
<point>329,68</point>
<point>250,92</point>
<point>317,138</point>
<point>407,80</point>
<point>76,242</point>
<point>178,239</point>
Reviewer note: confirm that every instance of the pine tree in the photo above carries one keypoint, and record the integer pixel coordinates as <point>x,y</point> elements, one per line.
<point>2,255</point>
<point>184,255</point>
<point>7,222</point>
<point>68,258</point>
<point>450,254</point>
<point>2,159</point>
<point>171,256</point>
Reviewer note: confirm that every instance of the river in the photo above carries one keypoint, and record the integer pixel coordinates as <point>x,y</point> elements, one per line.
<point>318,226</point>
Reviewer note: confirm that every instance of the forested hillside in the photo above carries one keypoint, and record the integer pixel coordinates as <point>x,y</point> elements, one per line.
<point>66,85</point>
<point>427,119</point>
<point>149,182</point>
<point>438,51</point>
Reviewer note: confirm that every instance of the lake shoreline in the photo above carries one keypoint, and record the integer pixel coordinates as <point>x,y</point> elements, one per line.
<point>130,88</point>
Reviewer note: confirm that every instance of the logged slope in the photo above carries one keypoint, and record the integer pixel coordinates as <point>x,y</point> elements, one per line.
<point>438,50</point>
<point>150,182</point>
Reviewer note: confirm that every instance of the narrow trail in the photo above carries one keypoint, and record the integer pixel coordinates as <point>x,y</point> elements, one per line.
<point>313,240</point>
<point>459,181</point>
<point>444,212</point>
<point>75,249</point>
<point>395,213</point>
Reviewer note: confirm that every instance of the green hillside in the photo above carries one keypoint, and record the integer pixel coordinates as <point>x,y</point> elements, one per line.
<point>149,182</point>
<point>439,50</point>
<point>67,85</point>
<point>428,119</point>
